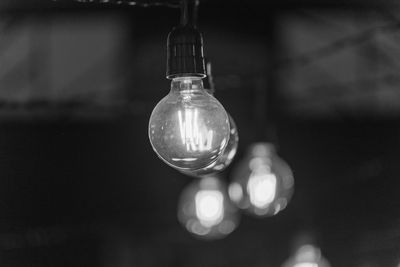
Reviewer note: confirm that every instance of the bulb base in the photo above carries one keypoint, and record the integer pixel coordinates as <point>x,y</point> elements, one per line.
<point>185,56</point>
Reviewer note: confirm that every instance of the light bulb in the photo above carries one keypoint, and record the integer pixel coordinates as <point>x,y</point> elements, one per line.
<point>307,256</point>
<point>262,184</point>
<point>225,158</point>
<point>189,129</point>
<point>205,209</point>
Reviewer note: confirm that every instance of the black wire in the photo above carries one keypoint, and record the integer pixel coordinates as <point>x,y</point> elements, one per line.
<point>139,3</point>
<point>189,12</point>
<point>209,81</point>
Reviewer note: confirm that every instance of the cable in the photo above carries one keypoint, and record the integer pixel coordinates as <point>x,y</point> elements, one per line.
<point>140,3</point>
<point>189,12</point>
<point>209,80</point>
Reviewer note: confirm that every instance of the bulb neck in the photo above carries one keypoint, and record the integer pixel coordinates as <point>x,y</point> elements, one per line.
<point>262,149</point>
<point>210,182</point>
<point>187,84</point>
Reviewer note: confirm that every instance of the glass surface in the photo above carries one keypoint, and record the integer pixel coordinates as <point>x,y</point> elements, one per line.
<point>205,209</point>
<point>189,129</point>
<point>262,184</point>
<point>226,157</point>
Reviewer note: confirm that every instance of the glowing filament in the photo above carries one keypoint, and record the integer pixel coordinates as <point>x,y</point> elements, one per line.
<point>194,137</point>
<point>209,207</point>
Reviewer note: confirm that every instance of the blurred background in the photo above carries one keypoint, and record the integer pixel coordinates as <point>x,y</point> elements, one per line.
<point>81,186</point>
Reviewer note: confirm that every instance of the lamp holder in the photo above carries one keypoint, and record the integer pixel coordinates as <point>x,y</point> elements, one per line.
<point>185,56</point>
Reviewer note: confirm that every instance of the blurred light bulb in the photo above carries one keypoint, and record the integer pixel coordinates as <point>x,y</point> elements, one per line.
<point>262,183</point>
<point>307,256</point>
<point>262,189</point>
<point>205,210</point>
<point>189,129</point>
<point>209,206</point>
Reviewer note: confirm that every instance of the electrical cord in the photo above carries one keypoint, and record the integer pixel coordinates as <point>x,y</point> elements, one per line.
<point>189,10</point>
<point>189,15</point>
<point>140,3</point>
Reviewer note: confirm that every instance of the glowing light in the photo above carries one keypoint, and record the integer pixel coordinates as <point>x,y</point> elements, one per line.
<point>224,159</point>
<point>262,183</point>
<point>192,135</point>
<point>209,207</point>
<point>189,129</point>
<point>261,189</point>
<point>205,210</point>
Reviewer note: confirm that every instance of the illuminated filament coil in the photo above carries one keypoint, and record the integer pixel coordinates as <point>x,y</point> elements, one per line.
<point>195,138</point>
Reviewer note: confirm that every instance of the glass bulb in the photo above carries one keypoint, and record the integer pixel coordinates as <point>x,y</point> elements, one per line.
<point>226,157</point>
<point>189,129</point>
<point>205,209</point>
<point>307,256</point>
<point>262,184</point>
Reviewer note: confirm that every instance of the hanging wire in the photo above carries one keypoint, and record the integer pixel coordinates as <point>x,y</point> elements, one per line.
<point>189,12</point>
<point>189,16</point>
<point>140,3</point>
<point>209,80</point>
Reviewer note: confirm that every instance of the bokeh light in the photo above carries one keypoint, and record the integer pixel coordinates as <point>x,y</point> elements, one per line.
<point>205,209</point>
<point>262,183</point>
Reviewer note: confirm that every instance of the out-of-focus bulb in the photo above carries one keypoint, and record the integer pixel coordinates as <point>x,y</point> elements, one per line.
<point>225,159</point>
<point>209,207</point>
<point>189,129</point>
<point>262,183</point>
<point>205,210</point>
<point>307,256</point>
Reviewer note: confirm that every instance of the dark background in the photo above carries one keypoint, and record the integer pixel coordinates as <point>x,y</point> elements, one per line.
<point>81,186</point>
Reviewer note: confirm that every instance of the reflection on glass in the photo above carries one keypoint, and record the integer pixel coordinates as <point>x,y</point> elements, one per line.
<point>205,210</point>
<point>262,184</point>
<point>225,159</point>
<point>307,256</point>
<point>189,129</point>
